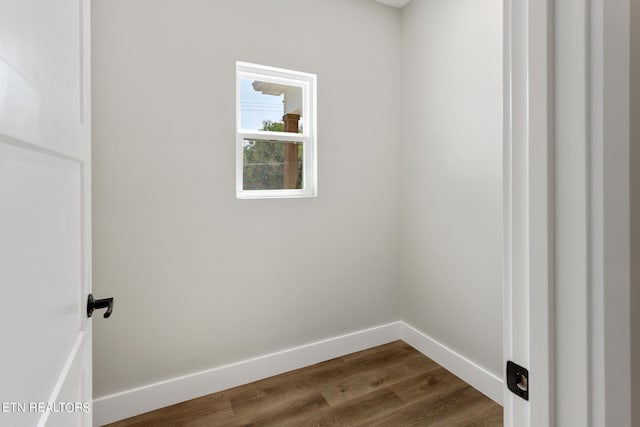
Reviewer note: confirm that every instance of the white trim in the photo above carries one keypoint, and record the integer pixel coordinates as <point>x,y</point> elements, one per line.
<point>467,370</point>
<point>308,84</point>
<point>567,210</point>
<point>276,72</point>
<point>139,400</point>
<point>608,126</point>
<point>272,136</point>
<point>528,305</point>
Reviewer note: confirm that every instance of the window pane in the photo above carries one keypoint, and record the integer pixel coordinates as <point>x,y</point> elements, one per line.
<point>270,106</point>
<point>272,165</point>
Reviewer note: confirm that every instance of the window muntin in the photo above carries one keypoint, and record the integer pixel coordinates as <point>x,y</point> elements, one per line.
<point>275,132</point>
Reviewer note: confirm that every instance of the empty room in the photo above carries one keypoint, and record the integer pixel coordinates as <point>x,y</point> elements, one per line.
<point>319,212</point>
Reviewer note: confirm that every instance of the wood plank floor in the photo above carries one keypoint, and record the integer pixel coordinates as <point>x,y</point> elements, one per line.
<point>391,385</point>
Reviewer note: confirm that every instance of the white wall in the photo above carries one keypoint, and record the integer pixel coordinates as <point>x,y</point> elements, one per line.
<point>634,171</point>
<point>451,211</point>
<point>201,279</point>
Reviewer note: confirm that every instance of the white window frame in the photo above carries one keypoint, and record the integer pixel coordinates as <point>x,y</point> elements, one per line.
<point>307,82</point>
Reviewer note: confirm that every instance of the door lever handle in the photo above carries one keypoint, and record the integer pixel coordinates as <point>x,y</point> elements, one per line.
<point>96,304</point>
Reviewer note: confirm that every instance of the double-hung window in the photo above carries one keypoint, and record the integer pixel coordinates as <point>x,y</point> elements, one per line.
<point>275,132</point>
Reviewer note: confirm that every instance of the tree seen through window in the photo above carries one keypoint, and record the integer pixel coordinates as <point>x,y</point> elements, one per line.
<point>264,161</point>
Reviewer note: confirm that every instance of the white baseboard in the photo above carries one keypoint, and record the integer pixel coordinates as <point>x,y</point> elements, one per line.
<point>137,401</point>
<point>471,373</point>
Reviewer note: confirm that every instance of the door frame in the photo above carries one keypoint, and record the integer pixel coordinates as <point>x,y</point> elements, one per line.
<point>566,210</point>
<point>528,205</point>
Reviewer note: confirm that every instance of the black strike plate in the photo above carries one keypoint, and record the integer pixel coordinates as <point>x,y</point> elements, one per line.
<point>518,380</point>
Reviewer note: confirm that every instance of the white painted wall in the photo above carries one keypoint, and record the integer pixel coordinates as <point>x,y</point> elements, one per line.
<point>634,170</point>
<point>169,233</point>
<point>201,279</point>
<point>451,210</point>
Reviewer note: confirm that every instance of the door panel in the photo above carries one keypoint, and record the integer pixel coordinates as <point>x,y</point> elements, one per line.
<point>41,259</point>
<point>41,41</point>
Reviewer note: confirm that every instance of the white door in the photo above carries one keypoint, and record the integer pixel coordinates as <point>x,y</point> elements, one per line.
<point>45,221</point>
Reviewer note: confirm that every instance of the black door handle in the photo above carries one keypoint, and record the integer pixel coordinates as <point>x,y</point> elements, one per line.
<point>93,304</point>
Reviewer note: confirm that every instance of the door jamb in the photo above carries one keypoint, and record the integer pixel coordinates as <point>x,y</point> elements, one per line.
<point>566,209</point>
<point>528,205</point>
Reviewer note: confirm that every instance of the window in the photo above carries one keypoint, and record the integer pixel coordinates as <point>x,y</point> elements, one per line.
<point>275,132</point>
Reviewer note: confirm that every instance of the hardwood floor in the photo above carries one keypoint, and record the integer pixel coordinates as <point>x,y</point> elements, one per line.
<point>391,385</point>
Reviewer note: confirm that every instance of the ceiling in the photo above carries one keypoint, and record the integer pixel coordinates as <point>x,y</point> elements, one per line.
<point>394,3</point>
